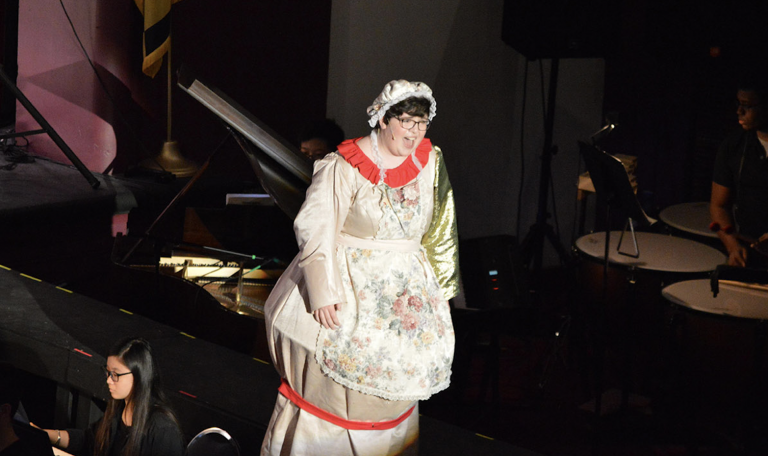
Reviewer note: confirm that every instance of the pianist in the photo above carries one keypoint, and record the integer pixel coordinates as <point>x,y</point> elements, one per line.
<point>320,138</point>
<point>137,421</point>
<point>359,325</point>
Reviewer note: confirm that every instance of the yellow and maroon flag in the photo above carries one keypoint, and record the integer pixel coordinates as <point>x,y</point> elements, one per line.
<point>157,32</point>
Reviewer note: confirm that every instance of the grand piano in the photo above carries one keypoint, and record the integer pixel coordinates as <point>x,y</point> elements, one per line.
<point>203,287</point>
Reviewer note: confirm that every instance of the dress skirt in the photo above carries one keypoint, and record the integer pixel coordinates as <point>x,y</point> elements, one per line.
<point>292,431</point>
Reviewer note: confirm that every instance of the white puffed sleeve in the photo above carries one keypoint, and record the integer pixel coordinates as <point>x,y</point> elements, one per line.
<point>317,227</point>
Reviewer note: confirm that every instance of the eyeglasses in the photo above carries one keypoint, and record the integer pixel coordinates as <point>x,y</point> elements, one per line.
<point>409,123</point>
<point>114,375</point>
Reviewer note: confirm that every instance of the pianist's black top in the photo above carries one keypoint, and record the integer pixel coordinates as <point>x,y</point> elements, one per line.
<point>163,439</point>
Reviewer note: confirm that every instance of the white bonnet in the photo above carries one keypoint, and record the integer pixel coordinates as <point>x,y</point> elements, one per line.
<point>395,92</point>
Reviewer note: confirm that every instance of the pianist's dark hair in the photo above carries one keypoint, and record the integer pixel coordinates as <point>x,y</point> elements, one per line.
<point>146,397</point>
<point>325,129</point>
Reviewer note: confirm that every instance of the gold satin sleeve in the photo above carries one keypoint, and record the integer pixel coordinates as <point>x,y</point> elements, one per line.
<point>442,239</point>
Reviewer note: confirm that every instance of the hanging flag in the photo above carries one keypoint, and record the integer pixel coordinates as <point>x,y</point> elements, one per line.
<point>157,33</point>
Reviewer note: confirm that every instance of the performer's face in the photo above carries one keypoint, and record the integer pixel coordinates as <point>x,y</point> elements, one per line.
<point>751,111</point>
<point>401,141</point>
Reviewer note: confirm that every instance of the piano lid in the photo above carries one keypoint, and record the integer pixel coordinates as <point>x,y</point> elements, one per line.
<point>282,170</point>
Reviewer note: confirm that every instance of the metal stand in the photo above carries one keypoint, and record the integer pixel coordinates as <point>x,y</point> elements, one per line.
<point>612,184</point>
<point>533,244</point>
<point>47,128</point>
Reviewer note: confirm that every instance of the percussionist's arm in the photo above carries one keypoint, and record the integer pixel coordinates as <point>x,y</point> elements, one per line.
<point>720,206</point>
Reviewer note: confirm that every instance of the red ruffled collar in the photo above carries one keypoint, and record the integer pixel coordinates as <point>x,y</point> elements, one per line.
<point>395,177</point>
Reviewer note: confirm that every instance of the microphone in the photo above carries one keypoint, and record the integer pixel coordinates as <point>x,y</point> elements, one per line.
<point>602,133</point>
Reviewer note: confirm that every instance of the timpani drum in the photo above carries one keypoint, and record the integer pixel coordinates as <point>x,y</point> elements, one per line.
<point>658,252</point>
<point>690,220</point>
<point>718,346</point>
<point>633,294</point>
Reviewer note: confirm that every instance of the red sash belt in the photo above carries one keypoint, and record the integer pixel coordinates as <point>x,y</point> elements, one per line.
<point>286,390</point>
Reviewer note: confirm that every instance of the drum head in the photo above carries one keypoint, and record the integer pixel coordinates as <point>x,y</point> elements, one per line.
<point>732,300</point>
<point>691,218</point>
<point>658,252</point>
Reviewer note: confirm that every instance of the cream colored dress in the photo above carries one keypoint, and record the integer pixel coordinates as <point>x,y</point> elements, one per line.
<point>360,245</point>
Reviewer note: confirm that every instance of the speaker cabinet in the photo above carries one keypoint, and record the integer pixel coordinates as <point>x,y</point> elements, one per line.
<point>492,272</point>
<point>561,28</point>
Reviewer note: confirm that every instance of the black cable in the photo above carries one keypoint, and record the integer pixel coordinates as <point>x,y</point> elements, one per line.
<point>554,204</point>
<point>146,151</point>
<point>544,119</point>
<point>522,150</point>
<point>543,95</point>
<point>551,180</point>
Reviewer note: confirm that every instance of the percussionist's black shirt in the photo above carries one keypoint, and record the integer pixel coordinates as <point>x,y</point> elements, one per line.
<point>741,165</point>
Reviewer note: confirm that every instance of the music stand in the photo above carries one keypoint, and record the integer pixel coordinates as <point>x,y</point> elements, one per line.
<point>612,185</point>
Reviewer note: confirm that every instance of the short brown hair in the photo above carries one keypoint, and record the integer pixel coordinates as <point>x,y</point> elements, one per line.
<point>413,106</point>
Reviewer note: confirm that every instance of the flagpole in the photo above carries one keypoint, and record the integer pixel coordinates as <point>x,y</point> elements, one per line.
<point>170,74</point>
<point>170,159</point>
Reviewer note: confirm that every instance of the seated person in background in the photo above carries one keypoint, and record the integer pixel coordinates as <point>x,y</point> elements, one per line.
<point>11,442</point>
<point>137,421</point>
<point>320,138</point>
<point>740,178</point>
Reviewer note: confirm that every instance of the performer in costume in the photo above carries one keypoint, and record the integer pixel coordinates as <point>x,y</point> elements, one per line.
<point>359,325</point>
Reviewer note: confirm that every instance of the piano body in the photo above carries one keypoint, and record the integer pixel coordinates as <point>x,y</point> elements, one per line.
<point>196,284</point>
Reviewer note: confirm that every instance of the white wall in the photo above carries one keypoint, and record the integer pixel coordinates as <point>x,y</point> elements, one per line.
<point>455,46</point>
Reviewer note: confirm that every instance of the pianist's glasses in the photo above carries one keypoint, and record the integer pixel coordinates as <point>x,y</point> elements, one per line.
<point>114,375</point>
